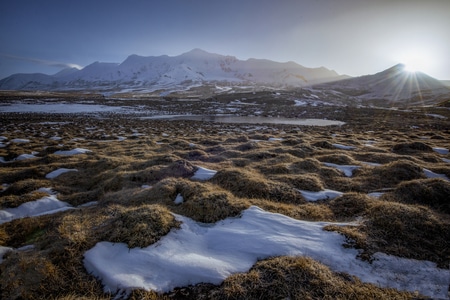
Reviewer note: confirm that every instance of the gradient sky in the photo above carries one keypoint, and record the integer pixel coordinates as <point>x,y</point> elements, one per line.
<point>353,37</point>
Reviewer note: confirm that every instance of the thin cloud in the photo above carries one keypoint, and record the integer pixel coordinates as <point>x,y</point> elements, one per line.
<point>50,63</point>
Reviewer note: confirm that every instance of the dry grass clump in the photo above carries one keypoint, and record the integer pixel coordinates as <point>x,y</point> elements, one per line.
<point>211,207</point>
<point>308,182</point>
<point>408,231</point>
<point>282,158</point>
<point>259,155</point>
<point>26,186</point>
<point>350,206</point>
<point>195,154</point>
<point>308,165</point>
<point>23,276</point>
<point>9,174</point>
<point>203,202</point>
<point>24,231</point>
<point>268,169</point>
<point>247,146</point>
<point>139,226</point>
<point>408,148</point>
<point>179,168</point>
<point>11,201</point>
<point>400,170</point>
<point>75,198</point>
<point>247,184</point>
<point>389,175</point>
<point>338,158</point>
<point>37,275</point>
<point>139,294</point>
<point>299,278</point>
<point>433,192</point>
<point>307,211</point>
<point>323,144</point>
<point>54,267</point>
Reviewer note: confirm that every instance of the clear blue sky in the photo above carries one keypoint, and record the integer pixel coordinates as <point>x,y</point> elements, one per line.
<point>354,37</point>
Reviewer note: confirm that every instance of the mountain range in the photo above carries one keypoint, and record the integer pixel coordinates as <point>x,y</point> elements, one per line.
<point>193,68</point>
<point>197,68</point>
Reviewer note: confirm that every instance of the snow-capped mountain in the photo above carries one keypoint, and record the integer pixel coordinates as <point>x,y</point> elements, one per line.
<point>394,85</point>
<point>164,72</point>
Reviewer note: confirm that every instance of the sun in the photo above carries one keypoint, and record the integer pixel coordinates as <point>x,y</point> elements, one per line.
<point>416,61</point>
<point>415,64</point>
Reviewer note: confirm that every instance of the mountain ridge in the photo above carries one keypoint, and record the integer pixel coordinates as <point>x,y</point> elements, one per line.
<point>395,85</point>
<point>194,67</point>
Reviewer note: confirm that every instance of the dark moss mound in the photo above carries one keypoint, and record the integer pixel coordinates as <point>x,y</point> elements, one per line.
<point>248,184</point>
<point>299,278</point>
<point>141,226</point>
<point>434,193</point>
<point>340,159</point>
<point>323,144</point>
<point>399,171</point>
<point>350,205</point>
<point>408,231</point>
<point>405,148</point>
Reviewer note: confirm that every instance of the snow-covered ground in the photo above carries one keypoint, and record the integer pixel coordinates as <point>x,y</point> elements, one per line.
<point>58,172</point>
<point>44,206</point>
<point>200,252</point>
<point>320,195</point>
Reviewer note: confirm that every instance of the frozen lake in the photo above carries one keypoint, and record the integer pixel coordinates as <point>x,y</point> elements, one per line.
<point>250,120</point>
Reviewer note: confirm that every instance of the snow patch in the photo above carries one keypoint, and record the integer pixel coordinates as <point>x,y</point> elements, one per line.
<point>343,147</point>
<point>210,253</point>
<point>431,174</point>
<point>346,169</point>
<point>58,172</point>
<point>321,195</point>
<point>203,174</point>
<point>3,251</point>
<point>25,156</point>
<point>441,150</point>
<point>179,199</point>
<point>72,152</point>
<point>19,141</point>
<point>44,206</point>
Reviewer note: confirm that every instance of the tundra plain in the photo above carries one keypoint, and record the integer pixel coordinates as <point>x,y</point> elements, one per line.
<point>84,170</point>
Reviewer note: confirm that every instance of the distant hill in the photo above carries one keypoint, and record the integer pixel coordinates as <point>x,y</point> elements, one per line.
<point>194,68</point>
<point>391,86</point>
<point>446,82</point>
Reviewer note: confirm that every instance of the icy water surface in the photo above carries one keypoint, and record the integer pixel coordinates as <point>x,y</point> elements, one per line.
<point>251,120</point>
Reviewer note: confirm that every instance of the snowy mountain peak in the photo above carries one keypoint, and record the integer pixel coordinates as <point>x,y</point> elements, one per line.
<point>192,68</point>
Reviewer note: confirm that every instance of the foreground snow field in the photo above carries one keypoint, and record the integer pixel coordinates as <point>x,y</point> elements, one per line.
<point>201,252</point>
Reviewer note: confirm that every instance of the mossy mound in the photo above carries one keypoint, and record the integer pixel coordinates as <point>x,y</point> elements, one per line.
<point>294,278</point>
<point>433,192</point>
<point>407,148</point>
<point>203,202</point>
<point>408,231</point>
<point>350,205</point>
<point>139,226</point>
<point>246,184</point>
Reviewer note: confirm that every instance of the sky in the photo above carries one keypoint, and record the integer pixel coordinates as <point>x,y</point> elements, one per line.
<point>352,37</point>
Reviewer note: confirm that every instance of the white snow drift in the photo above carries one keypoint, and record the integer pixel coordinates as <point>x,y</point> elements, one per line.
<point>46,205</point>
<point>211,252</point>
